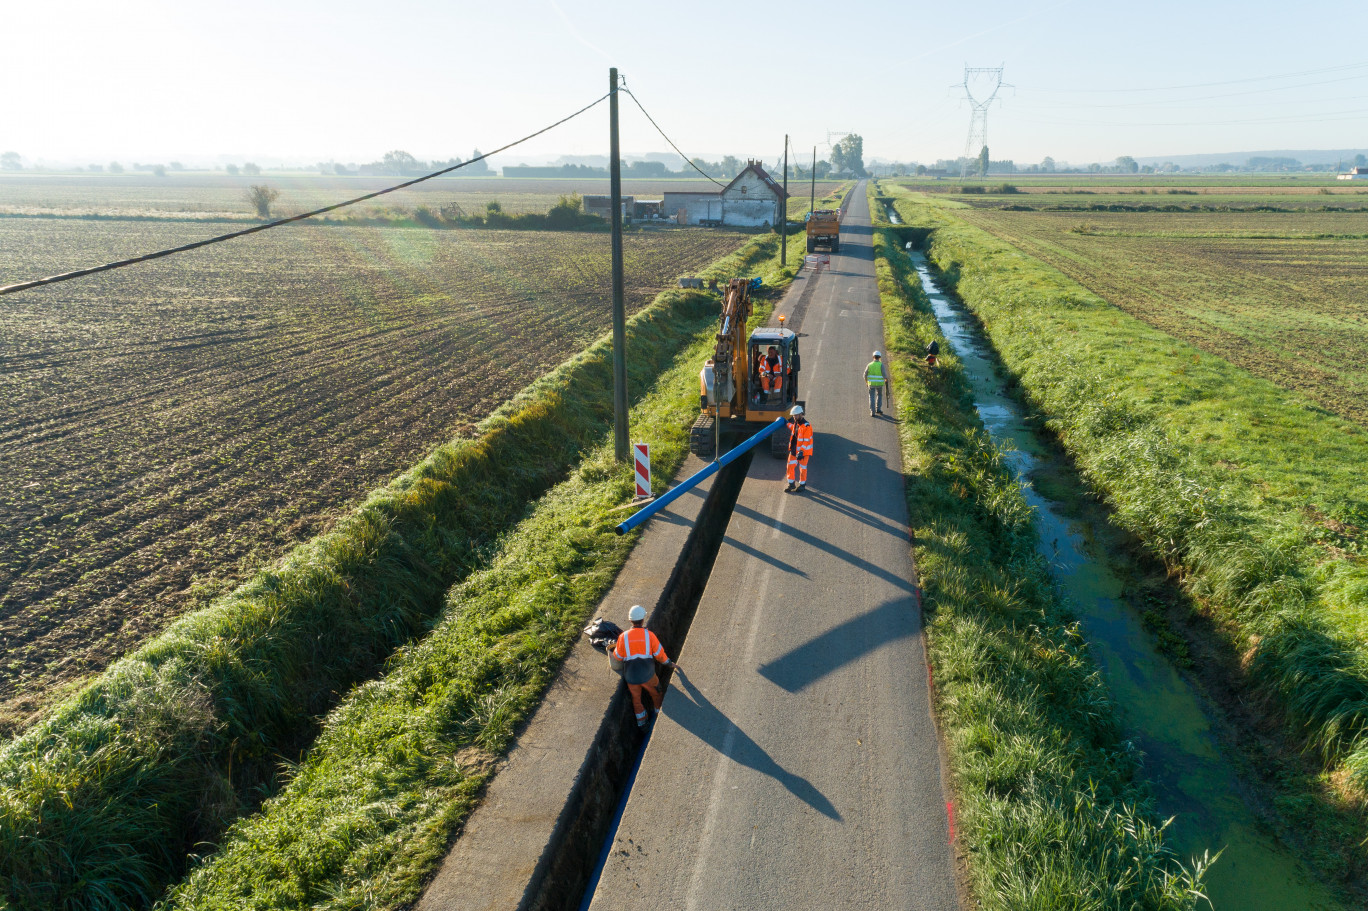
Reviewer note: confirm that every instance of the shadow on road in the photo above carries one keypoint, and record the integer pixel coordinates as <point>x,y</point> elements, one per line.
<point>844,644</point>
<point>692,711</point>
<point>807,538</point>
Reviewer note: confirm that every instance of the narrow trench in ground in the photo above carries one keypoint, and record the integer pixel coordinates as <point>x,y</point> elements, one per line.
<point>585,831</point>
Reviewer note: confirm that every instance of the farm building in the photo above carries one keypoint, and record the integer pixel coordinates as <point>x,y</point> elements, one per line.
<point>1355,174</point>
<point>752,199</point>
<point>602,206</point>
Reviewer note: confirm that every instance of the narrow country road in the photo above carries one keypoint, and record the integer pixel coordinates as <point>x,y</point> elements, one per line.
<point>795,764</point>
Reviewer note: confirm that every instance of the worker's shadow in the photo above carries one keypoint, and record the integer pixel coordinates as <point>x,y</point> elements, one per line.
<point>843,644</point>
<point>692,711</point>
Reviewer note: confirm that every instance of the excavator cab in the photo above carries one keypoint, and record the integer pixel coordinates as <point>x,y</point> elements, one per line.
<point>742,387</point>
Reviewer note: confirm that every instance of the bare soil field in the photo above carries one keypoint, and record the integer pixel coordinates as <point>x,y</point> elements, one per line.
<point>201,195</point>
<point>166,428</point>
<point>1279,294</point>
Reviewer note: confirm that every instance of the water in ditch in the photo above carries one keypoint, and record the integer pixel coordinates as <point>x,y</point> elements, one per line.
<point>1183,760</point>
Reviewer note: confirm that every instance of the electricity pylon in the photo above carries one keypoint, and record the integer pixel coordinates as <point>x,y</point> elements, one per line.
<point>978,118</point>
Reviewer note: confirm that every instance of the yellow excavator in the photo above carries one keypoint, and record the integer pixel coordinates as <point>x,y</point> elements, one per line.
<point>732,390</point>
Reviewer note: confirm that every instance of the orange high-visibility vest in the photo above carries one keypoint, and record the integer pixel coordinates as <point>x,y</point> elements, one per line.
<point>639,642</point>
<point>802,435</point>
<point>774,368</point>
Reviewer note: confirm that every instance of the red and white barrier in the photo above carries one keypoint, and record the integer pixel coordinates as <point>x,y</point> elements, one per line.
<point>642,457</point>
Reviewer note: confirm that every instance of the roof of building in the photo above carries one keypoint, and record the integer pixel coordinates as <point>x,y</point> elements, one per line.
<point>763,175</point>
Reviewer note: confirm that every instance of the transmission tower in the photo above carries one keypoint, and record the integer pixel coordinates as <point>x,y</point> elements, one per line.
<point>835,136</point>
<point>990,78</point>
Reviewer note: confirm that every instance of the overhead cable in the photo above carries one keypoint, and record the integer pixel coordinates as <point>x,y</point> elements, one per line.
<point>667,138</point>
<point>67,276</point>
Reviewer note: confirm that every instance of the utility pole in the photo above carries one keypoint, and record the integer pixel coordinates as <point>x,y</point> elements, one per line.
<point>620,447</point>
<point>783,221</point>
<point>812,201</point>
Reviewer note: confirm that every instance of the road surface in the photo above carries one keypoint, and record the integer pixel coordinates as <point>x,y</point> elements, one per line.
<point>795,764</point>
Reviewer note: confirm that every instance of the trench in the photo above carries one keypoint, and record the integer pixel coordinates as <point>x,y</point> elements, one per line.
<point>569,870</point>
<point>1162,713</point>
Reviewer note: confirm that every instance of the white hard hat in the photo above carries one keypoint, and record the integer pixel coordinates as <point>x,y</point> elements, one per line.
<point>797,410</point>
<point>877,354</point>
<point>636,613</point>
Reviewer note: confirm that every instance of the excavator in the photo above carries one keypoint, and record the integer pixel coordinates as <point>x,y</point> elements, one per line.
<point>732,397</point>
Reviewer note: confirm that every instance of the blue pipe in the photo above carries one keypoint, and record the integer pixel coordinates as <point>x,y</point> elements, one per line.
<point>712,468</point>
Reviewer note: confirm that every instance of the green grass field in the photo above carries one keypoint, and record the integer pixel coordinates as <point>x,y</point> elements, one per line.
<point>1278,294</point>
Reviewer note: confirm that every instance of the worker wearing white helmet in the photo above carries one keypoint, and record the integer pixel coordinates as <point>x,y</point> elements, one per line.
<point>800,448</point>
<point>640,651</point>
<point>876,378</point>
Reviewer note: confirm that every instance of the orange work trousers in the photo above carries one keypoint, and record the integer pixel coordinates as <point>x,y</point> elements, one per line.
<point>798,464</point>
<point>769,382</point>
<point>652,686</point>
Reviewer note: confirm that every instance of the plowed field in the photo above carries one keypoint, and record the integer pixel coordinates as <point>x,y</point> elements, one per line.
<point>166,428</point>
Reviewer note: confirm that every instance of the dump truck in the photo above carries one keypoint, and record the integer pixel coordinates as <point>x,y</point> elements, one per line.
<point>733,399</point>
<point>824,228</point>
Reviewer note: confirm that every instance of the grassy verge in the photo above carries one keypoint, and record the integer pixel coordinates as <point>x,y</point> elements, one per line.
<point>1052,812</point>
<point>1252,497</point>
<point>101,803</point>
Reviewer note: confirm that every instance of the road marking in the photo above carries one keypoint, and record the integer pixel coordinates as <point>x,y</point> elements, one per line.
<point>691,900</point>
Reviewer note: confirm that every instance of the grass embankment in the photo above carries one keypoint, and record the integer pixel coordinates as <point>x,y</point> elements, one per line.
<point>1052,812</point>
<point>1253,497</point>
<point>101,803</point>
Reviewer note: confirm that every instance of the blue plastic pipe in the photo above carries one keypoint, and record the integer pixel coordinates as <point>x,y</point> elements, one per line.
<point>670,496</point>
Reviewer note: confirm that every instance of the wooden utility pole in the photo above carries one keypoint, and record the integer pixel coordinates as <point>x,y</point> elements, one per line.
<point>783,206</point>
<point>620,446</point>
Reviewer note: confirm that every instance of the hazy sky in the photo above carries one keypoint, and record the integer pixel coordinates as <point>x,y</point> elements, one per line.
<point>308,80</point>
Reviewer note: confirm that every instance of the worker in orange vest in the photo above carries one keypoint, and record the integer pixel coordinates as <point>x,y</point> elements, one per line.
<point>800,448</point>
<point>771,371</point>
<point>639,651</point>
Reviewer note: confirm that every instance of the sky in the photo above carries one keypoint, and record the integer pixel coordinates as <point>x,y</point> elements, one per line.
<point>307,81</point>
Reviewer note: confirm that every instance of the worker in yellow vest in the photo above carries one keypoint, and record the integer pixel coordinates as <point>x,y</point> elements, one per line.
<point>876,378</point>
<point>800,448</point>
<point>640,651</point>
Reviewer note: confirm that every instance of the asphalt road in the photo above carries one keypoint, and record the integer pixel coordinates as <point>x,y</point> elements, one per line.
<point>795,764</point>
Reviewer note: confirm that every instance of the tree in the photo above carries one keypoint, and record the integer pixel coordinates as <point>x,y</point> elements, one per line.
<point>731,166</point>
<point>9,161</point>
<point>1361,160</point>
<point>250,169</point>
<point>115,168</point>
<point>399,162</point>
<point>159,170</point>
<point>261,197</point>
<point>231,168</point>
<point>476,167</point>
<point>848,155</point>
<point>177,166</point>
<point>983,161</point>
<point>1047,165</point>
<point>1127,165</point>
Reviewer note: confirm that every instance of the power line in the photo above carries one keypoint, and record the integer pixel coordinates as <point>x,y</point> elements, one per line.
<point>67,276</point>
<point>667,138</point>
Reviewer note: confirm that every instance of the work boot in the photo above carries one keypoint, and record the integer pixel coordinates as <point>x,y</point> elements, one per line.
<point>802,485</point>
<point>789,489</point>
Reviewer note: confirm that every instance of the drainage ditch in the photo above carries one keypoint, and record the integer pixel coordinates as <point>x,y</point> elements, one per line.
<point>569,869</point>
<point>1163,714</point>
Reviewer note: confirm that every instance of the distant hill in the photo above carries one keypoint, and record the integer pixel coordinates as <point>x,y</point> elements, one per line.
<point>1305,156</point>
